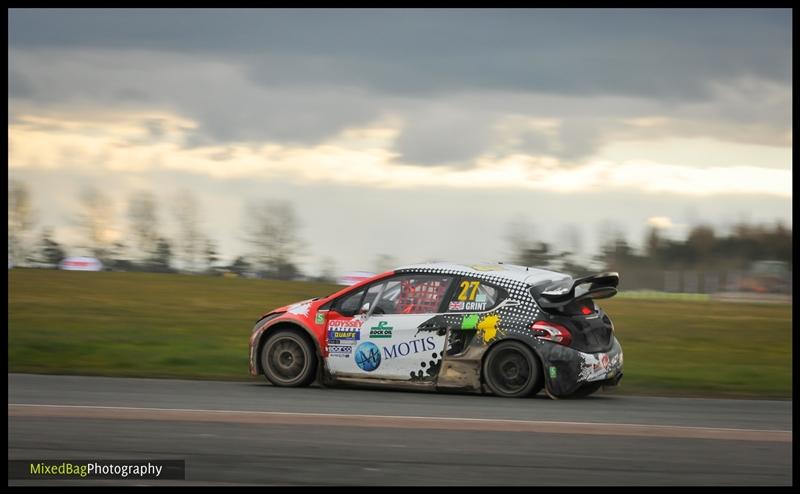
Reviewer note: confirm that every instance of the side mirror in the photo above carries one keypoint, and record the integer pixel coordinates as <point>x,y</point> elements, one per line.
<point>364,308</point>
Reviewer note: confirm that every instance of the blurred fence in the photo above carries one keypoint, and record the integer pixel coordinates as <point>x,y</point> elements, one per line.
<point>705,282</point>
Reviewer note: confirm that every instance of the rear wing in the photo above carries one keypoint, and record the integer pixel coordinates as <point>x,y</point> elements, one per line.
<point>561,293</point>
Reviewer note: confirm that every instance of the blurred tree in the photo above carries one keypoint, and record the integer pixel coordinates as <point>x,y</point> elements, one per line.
<point>118,258</point>
<point>21,218</point>
<point>529,252</point>
<point>700,245</point>
<point>539,254</point>
<point>272,227</point>
<point>519,234</point>
<point>96,220</point>
<point>609,232</point>
<point>48,251</point>
<point>211,255</point>
<point>570,244</point>
<point>284,271</point>
<point>617,255</point>
<point>653,243</point>
<point>570,239</point>
<point>780,242</point>
<point>190,238</point>
<point>52,253</point>
<point>143,217</point>
<point>161,261</point>
<point>328,270</point>
<point>240,266</point>
<point>570,266</point>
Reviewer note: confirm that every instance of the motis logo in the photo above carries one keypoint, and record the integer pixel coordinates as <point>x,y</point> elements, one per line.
<point>368,356</point>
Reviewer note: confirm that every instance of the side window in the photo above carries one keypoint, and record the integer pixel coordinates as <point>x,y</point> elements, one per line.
<point>413,294</point>
<point>372,293</point>
<point>349,305</point>
<point>473,295</point>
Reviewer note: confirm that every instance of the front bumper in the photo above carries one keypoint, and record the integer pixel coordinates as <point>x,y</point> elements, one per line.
<point>567,369</point>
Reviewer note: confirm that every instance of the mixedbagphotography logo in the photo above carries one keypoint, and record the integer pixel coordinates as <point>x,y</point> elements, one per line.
<point>96,469</point>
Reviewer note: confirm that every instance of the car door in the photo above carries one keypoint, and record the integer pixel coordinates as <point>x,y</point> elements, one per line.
<point>386,340</point>
<point>469,311</point>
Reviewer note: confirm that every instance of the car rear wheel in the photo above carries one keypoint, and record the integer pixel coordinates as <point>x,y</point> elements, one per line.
<point>512,370</point>
<point>288,359</point>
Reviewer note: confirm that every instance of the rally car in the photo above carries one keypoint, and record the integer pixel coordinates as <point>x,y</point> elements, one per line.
<point>502,329</point>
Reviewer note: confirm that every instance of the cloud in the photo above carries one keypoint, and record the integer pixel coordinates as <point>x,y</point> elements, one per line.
<point>19,86</point>
<point>310,93</point>
<point>443,134</point>
<point>668,53</point>
<point>304,76</point>
<point>227,106</point>
<point>460,84</point>
<point>360,157</point>
<point>661,222</point>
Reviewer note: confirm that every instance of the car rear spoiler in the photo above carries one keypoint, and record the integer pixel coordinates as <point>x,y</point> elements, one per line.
<point>597,286</point>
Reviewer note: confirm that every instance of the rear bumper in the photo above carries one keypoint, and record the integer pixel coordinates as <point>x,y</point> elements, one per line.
<point>567,369</point>
<point>613,382</point>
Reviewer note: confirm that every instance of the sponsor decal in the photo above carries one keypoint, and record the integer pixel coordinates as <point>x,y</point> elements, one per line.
<point>382,330</point>
<point>345,323</point>
<point>481,267</point>
<point>367,356</point>
<point>343,330</point>
<point>340,336</point>
<point>409,347</point>
<point>456,306</point>
<point>471,306</point>
<point>320,319</point>
<point>469,290</point>
<point>596,368</point>
<point>552,372</point>
<point>340,350</point>
<point>301,308</point>
<point>488,327</point>
<point>470,321</point>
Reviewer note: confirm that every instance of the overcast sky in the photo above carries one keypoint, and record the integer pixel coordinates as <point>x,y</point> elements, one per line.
<point>417,134</point>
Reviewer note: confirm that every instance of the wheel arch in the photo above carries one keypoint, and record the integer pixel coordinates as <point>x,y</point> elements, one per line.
<point>524,341</point>
<point>277,325</point>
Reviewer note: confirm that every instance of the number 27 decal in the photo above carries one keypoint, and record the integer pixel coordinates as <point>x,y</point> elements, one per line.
<point>466,293</point>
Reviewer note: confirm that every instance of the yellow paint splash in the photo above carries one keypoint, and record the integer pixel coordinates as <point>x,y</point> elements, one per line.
<point>488,326</point>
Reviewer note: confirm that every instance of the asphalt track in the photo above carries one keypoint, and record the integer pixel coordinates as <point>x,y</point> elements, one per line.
<point>253,433</point>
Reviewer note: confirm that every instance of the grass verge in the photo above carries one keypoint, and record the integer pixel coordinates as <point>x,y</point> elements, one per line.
<point>161,325</point>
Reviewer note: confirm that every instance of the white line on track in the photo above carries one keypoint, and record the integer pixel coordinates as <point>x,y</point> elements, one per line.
<point>399,421</point>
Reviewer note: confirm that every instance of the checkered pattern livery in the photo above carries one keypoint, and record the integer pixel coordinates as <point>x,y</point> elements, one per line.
<point>513,318</point>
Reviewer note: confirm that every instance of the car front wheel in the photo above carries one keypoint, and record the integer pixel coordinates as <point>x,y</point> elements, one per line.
<point>512,370</point>
<point>288,359</point>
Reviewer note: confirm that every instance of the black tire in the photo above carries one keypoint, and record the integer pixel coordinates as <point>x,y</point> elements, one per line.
<point>288,359</point>
<point>511,370</point>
